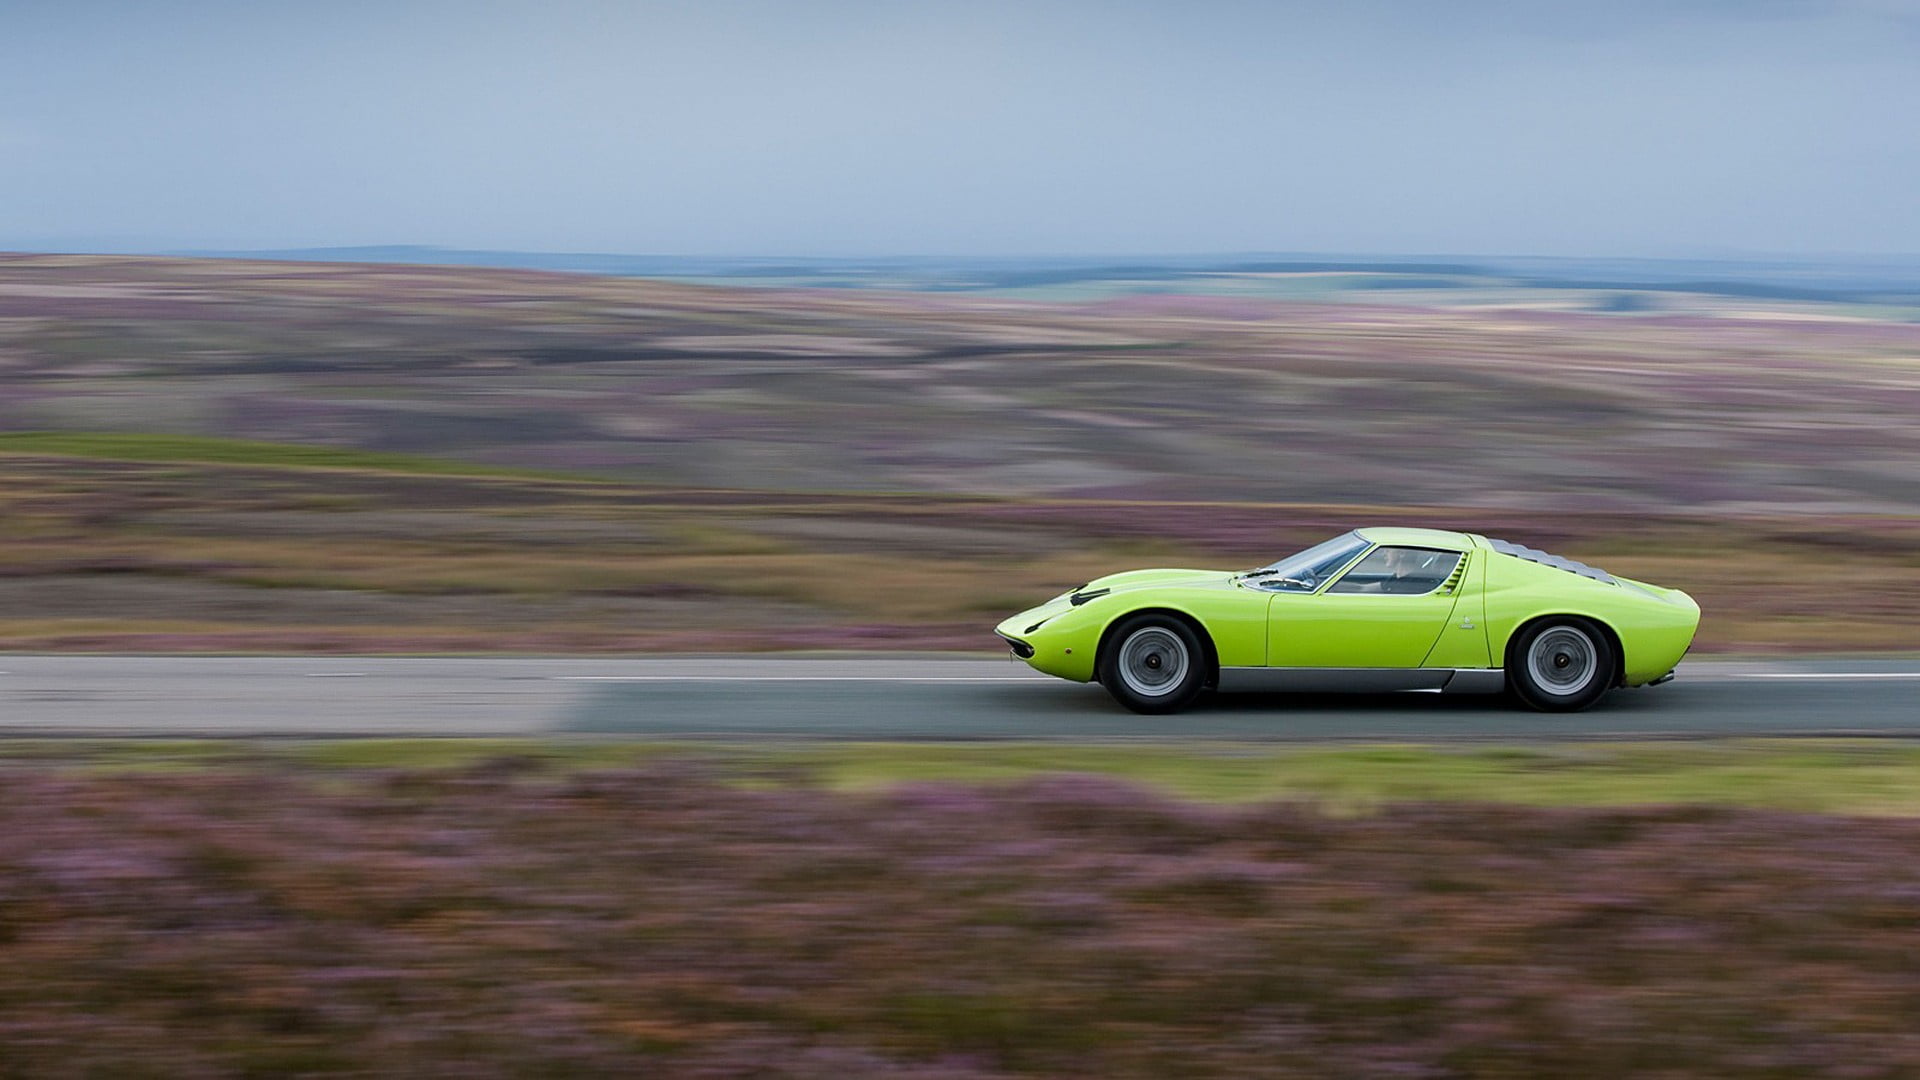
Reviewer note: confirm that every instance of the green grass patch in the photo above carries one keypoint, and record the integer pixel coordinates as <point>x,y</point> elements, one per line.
<point>195,449</point>
<point>1877,777</point>
<point>1869,777</point>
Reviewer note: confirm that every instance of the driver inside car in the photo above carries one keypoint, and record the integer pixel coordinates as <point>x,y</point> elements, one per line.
<point>1412,569</point>
<point>1402,571</point>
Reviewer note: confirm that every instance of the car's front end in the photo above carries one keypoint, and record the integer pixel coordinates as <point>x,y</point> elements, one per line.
<point>1062,636</point>
<point>1036,637</point>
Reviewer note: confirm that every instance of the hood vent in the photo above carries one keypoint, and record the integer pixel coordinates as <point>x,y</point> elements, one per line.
<point>1085,594</point>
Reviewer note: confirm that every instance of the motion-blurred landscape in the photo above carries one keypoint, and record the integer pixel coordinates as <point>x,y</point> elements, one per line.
<point>495,375</point>
<point>299,455</point>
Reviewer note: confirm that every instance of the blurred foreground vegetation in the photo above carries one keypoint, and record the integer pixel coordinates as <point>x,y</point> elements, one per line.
<point>456,908</point>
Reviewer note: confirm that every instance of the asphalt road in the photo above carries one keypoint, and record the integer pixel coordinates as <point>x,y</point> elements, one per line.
<point>872,698</point>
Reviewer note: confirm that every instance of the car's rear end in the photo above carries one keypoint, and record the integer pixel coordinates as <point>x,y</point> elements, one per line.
<point>1652,626</point>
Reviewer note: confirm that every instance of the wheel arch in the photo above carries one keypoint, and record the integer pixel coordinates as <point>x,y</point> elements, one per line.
<point>1199,628</point>
<point>1619,675</point>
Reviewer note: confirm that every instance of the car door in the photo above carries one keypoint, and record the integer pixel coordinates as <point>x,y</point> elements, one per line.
<point>1386,611</point>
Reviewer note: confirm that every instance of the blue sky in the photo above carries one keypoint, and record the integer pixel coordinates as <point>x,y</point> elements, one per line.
<point>859,127</point>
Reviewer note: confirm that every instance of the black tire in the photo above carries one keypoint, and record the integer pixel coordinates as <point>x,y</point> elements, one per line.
<point>1562,664</point>
<point>1153,664</point>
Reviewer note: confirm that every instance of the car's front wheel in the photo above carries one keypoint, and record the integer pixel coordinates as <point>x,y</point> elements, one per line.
<point>1560,665</point>
<point>1153,664</point>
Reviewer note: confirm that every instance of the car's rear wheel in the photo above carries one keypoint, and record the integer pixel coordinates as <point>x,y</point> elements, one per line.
<point>1560,665</point>
<point>1153,664</point>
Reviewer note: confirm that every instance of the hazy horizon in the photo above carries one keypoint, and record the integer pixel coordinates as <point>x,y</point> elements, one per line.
<point>1118,255</point>
<point>869,128</point>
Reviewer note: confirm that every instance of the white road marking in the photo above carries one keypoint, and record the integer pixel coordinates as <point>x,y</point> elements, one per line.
<point>1036,678</point>
<point>336,674</point>
<point>1821,675</point>
<point>799,678</point>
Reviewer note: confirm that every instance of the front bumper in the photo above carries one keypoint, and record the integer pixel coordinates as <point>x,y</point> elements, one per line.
<point>1056,637</point>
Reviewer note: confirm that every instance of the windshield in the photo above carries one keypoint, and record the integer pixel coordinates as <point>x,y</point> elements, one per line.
<point>1304,572</point>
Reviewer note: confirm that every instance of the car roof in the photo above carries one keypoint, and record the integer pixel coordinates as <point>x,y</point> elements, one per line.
<point>1431,538</point>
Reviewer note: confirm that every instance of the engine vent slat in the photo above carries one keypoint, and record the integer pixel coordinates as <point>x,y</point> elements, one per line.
<point>1521,551</point>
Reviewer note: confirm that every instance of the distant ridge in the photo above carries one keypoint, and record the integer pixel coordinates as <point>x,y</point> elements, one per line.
<point>1878,279</point>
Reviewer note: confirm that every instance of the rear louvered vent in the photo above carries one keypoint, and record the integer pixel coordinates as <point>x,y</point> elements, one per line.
<point>1520,551</point>
<point>1453,579</point>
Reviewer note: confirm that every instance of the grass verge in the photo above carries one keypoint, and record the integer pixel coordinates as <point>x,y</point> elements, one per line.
<point>1867,777</point>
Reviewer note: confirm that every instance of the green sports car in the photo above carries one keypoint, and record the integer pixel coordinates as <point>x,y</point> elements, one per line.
<point>1376,609</point>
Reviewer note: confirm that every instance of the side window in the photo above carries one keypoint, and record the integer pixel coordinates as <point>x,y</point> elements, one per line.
<point>1400,570</point>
